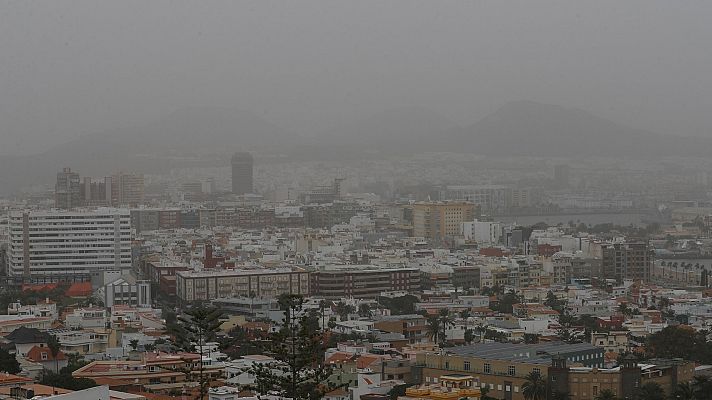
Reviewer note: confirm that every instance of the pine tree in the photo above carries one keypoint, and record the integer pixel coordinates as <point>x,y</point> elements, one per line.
<point>298,371</point>
<point>200,326</point>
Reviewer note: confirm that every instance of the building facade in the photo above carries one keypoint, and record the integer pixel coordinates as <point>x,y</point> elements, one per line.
<point>438,220</point>
<point>242,173</point>
<point>67,190</point>
<point>628,260</point>
<point>69,242</point>
<point>363,281</point>
<point>213,284</point>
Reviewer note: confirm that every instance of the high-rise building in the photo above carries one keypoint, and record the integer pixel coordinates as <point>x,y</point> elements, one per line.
<point>67,190</point>
<point>437,220</point>
<point>69,242</point>
<point>242,173</point>
<point>96,193</point>
<point>127,190</point>
<point>561,175</point>
<point>621,261</point>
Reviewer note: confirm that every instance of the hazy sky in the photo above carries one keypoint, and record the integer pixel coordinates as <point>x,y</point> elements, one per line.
<point>74,67</point>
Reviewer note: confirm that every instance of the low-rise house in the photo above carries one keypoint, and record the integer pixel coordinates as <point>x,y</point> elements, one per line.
<point>613,341</point>
<point>83,342</point>
<point>25,339</point>
<point>87,318</point>
<point>43,356</point>
<point>154,372</point>
<point>43,309</point>
<point>9,323</point>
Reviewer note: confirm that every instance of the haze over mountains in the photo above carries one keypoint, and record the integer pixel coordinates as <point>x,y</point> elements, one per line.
<point>207,136</point>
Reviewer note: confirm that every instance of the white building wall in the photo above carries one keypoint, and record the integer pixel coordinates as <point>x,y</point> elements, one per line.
<point>69,242</point>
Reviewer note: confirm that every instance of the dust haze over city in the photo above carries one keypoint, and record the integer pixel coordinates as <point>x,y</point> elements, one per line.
<point>430,186</point>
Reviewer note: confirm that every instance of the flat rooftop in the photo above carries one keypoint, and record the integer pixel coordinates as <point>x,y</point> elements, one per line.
<point>540,353</point>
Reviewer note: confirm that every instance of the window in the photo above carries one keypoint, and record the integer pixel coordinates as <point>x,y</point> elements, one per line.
<point>44,355</point>
<point>537,370</point>
<point>487,368</point>
<point>447,364</point>
<point>511,370</point>
<point>466,366</point>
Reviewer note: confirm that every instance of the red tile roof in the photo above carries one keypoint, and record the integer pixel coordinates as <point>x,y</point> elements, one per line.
<point>10,379</point>
<point>39,288</point>
<point>79,289</point>
<point>35,354</point>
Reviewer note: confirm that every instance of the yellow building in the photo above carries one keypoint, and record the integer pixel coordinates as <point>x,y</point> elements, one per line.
<point>436,220</point>
<point>450,387</point>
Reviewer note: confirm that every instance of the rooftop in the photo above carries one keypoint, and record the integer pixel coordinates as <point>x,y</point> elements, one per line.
<point>539,353</point>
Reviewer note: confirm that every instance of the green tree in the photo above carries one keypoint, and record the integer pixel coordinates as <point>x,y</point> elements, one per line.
<point>364,310</point>
<point>507,302</point>
<point>651,391</point>
<point>298,371</point>
<point>65,381</point>
<point>8,363</point>
<point>534,386</point>
<point>200,325</point>
<point>133,343</point>
<point>469,336</point>
<point>343,310</point>
<point>553,301</point>
<point>679,342</point>
<point>531,338</point>
<point>606,394</point>
<point>399,305</point>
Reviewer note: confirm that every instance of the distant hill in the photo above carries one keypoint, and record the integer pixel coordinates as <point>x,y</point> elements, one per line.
<point>207,136</point>
<point>187,132</point>
<point>393,127</point>
<point>536,129</point>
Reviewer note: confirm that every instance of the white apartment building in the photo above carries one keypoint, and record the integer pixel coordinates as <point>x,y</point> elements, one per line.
<point>69,242</point>
<point>128,291</point>
<point>483,232</point>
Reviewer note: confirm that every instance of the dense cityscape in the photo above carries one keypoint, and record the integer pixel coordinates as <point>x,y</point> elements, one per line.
<point>355,200</point>
<point>195,287</point>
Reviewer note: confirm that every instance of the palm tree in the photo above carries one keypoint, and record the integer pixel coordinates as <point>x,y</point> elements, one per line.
<point>684,391</point>
<point>322,308</point>
<point>484,390</point>
<point>445,320</point>
<point>481,329</point>
<point>534,388</point>
<point>606,394</point>
<point>53,345</point>
<point>434,328</point>
<point>556,395</point>
<point>701,387</point>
